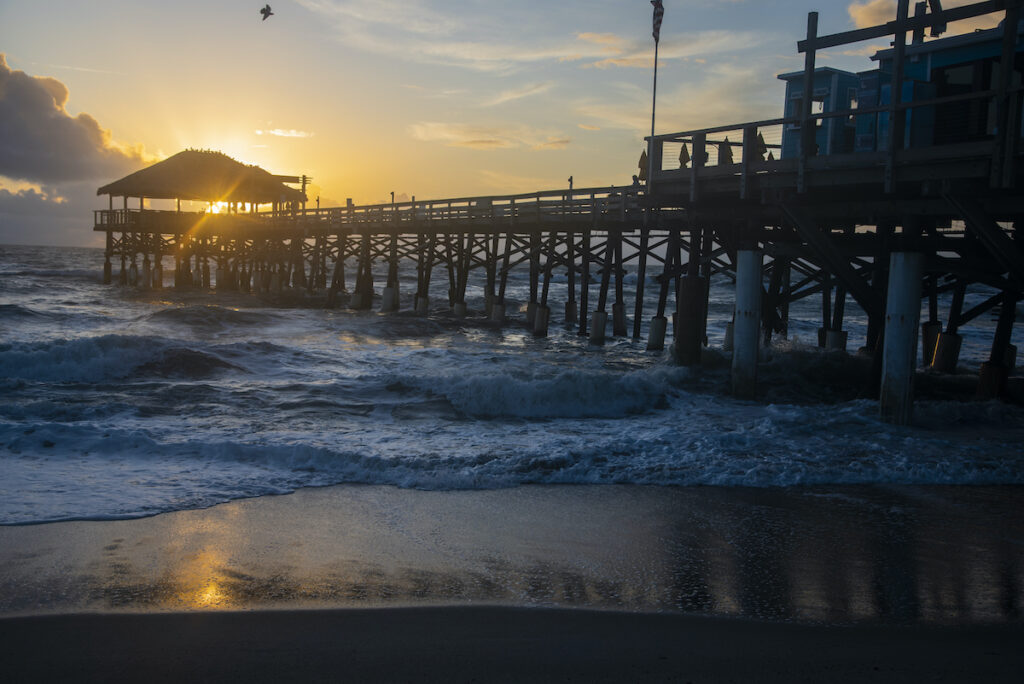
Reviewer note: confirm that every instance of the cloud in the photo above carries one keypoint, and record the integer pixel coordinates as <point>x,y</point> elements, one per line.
<point>553,144</point>
<point>486,137</point>
<point>876,12</point>
<point>41,142</point>
<point>412,31</point>
<point>519,93</point>
<point>696,46</point>
<point>510,183</point>
<point>588,127</point>
<point>872,12</point>
<point>45,215</point>
<point>284,133</point>
<point>723,94</point>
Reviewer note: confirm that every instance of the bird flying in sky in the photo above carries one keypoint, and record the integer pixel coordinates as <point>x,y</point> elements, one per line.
<point>266,12</point>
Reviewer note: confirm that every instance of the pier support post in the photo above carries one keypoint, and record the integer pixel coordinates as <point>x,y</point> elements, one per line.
<point>930,331</point>
<point>641,276</point>
<point>531,306</point>
<point>571,312</point>
<point>619,319</point>
<point>389,299</point>
<point>690,320</point>
<point>158,272</point>
<point>540,321</point>
<point>657,343</point>
<point>899,348</point>
<point>619,307</point>
<point>933,326</point>
<point>107,272</point>
<point>498,312</point>
<point>747,322</point>
<point>598,323</point>
<point>584,281</point>
<point>835,340</point>
<point>947,352</point>
<point>656,333</point>
<point>992,379</point>
<point>422,305</point>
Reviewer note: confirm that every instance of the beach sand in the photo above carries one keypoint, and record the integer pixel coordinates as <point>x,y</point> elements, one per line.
<point>535,583</point>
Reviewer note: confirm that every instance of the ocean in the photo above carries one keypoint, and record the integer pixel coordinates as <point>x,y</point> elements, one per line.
<point>117,403</point>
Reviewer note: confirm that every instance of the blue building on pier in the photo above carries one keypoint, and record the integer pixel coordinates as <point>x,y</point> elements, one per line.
<point>946,67</point>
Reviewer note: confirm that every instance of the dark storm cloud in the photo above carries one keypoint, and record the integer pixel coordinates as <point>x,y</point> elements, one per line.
<point>49,216</point>
<point>41,143</point>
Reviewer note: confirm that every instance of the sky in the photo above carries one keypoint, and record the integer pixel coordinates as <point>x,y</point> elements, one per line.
<point>424,98</point>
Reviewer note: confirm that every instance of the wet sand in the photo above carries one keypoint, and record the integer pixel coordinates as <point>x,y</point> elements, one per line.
<point>578,583</point>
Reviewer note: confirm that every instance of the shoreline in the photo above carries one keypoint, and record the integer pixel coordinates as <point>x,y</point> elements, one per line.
<point>823,555</point>
<point>490,644</point>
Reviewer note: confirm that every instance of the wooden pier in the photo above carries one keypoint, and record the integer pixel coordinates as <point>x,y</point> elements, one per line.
<point>889,226</point>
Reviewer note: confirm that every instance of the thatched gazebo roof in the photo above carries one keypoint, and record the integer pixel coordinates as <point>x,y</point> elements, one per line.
<point>205,176</point>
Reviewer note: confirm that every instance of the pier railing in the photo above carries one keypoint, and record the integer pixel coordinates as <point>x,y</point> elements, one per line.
<point>591,205</point>
<point>586,207</point>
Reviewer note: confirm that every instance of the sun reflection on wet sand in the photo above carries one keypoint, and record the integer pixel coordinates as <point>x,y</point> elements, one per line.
<point>787,554</point>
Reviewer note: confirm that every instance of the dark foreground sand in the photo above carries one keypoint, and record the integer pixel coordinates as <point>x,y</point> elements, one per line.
<point>494,645</point>
<point>553,583</point>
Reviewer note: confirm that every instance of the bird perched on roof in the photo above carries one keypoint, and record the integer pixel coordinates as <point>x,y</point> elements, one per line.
<point>266,12</point>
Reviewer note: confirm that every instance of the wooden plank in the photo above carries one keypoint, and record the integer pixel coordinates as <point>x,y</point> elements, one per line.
<point>834,259</point>
<point>1004,250</point>
<point>911,24</point>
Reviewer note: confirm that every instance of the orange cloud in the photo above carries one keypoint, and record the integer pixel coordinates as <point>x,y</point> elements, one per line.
<point>876,12</point>
<point>485,137</point>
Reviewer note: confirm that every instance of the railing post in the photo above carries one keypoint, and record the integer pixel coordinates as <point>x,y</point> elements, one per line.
<point>897,115</point>
<point>697,161</point>
<point>808,130</point>
<point>655,151</point>
<point>749,153</point>
<point>1007,112</point>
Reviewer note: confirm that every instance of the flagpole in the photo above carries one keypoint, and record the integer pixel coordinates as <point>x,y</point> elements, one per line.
<point>654,104</point>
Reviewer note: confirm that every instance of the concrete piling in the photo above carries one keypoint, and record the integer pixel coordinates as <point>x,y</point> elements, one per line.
<point>619,319</point>
<point>571,316</point>
<point>747,322</point>
<point>656,333</point>
<point>929,337</point>
<point>389,299</point>
<point>498,312</point>
<point>899,349</point>
<point>598,323</point>
<point>540,321</point>
<point>947,352</point>
<point>835,340</point>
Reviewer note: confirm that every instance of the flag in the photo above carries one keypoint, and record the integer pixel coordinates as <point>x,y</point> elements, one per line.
<point>659,12</point>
